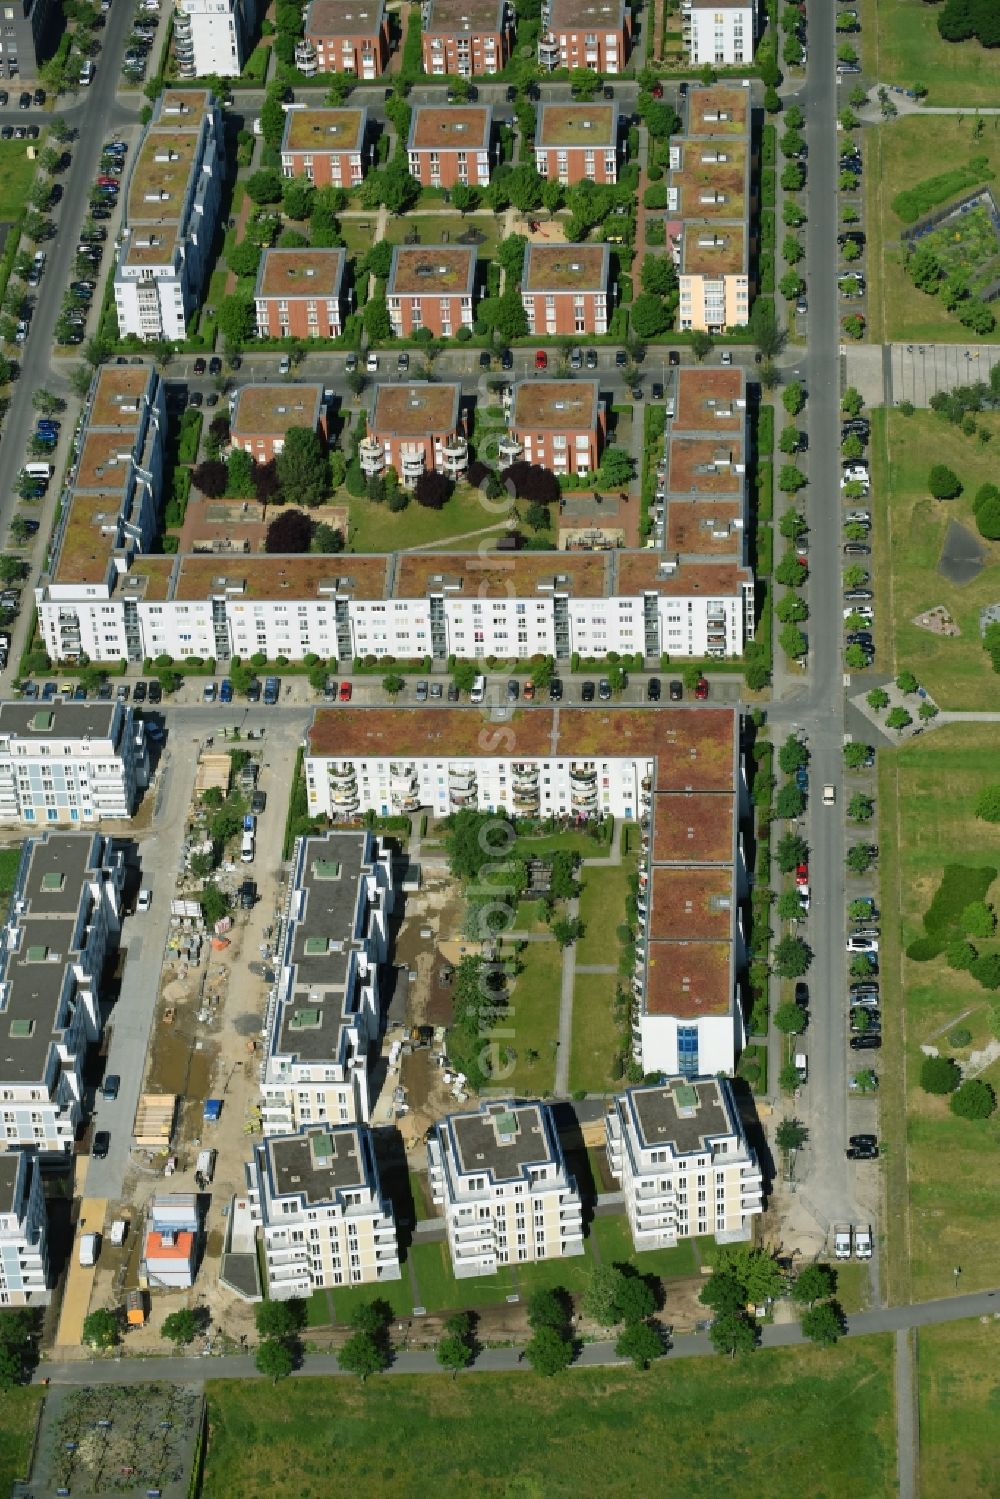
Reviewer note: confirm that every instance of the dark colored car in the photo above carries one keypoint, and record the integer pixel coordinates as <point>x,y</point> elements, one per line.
<point>215,365</point>
<point>674,357</point>
<point>604,690</point>
<point>676,691</point>
<point>506,360</point>
<point>555,690</point>
<point>248,895</point>
<point>587,692</point>
<point>854,1153</point>
<point>653,689</point>
<point>863,1142</point>
<point>199,366</point>
<point>801,993</point>
<point>621,359</point>
<point>110,1086</point>
<point>155,692</point>
<point>101,1145</point>
<point>139,696</point>
<point>484,360</point>
<point>258,802</point>
<point>253,691</point>
<point>867,1042</point>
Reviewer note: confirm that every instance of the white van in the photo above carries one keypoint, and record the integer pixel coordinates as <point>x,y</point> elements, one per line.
<point>205,1164</point>
<point>86,72</point>
<point>247,848</point>
<point>89,1249</point>
<point>38,470</point>
<point>478,693</point>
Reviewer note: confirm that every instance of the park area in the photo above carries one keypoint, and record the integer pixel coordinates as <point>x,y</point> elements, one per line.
<point>943,1171</point>
<point>911,529</point>
<point>707,1427</point>
<point>17,172</point>
<point>958,1394</point>
<point>903,157</point>
<point>901,45</point>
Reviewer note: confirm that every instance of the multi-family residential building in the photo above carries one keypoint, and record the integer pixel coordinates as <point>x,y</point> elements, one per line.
<point>467,37</point>
<point>559,424</point>
<point>566,288</point>
<point>326,146</point>
<point>717,32</point>
<point>70,763</point>
<point>500,1175</point>
<point>323,1013</point>
<point>344,36</point>
<point>213,37</point>
<point>431,286</point>
<point>170,216</point>
<point>585,34</point>
<point>451,145</point>
<point>679,775</point>
<point>31,31</point>
<point>300,293</point>
<point>24,1248</point>
<point>680,1152</point>
<point>709,202</point>
<point>62,925</point>
<point>261,416</point>
<point>324,1218</point>
<point>415,428</point>
<point>574,141</point>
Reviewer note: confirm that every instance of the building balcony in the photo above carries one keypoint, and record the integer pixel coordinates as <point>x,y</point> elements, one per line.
<point>371,456</point>
<point>341,775</point>
<point>584,801</point>
<point>549,54</point>
<point>412,462</point>
<point>582,775</point>
<point>345,802</point>
<point>404,801</point>
<point>455,457</point>
<point>525,776</point>
<point>461,777</point>
<point>526,803</point>
<point>509,450</point>
<point>305,59</point>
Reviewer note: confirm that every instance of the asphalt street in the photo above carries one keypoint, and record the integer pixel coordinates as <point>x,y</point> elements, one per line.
<point>183,1370</point>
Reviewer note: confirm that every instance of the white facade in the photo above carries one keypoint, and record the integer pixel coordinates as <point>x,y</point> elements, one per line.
<point>324,1010</point>
<point>171,210</point>
<point>324,1219</point>
<point>74,763</point>
<point>64,919</point>
<point>681,1155</point>
<point>500,1175</point>
<point>24,1256</point>
<point>662,1039</point>
<point>718,33</point>
<point>212,37</point>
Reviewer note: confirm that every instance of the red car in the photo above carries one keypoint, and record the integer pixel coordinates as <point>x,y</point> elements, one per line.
<point>802,874</point>
<point>345,692</point>
<point>541,360</point>
<point>657,90</point>
<point>108,182</point>
<point>701,691</point>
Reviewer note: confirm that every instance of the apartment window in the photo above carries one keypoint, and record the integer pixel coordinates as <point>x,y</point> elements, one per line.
<point>687,1050</point>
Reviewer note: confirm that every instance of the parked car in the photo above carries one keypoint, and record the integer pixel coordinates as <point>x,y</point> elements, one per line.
<point>604,690</point>
<point>587,692</point>
<point>110,1086</point>
<point>701,689</point>
<point>676,691</point>
<point>653,689</point>
<point>541,359</point>
<point>867,1042</point>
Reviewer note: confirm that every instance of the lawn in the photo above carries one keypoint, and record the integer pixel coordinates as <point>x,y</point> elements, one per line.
<point>596,1037</point>
<point>900,43</point>
<point>10,858</point>
<point>602,911</point>
<point>897,157</point>
<point>942,1173</point>
<point>707,1427</point>
<point>615,1247</point>
<point>549,843</point>
<point>17,173</point>
<point>534,1020</point>
<point>18,1414</point>
<point>358,232</point>
<point>374,528</point>
<point>440,1290</point>
<point>909,531</point>
<point>958,1394</point>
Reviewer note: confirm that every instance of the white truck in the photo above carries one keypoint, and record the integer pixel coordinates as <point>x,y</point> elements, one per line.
<point>863,1241</point>
<point>205,1164</point>
<point>89,1249</point>
<point>802,1066</point>
<point>829,796</point>
<point>842,1241</point>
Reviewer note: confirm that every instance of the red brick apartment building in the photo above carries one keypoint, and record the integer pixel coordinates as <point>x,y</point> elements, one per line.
<point>261,415</point>
<point>557,423</point>
<point>451,145</point>
<point>327,146</point>
<point>564,288</point>
<point>467,38</point>
<point>574,141</point>
<point>344,36</point>
<point>431,286</point>
<point>415,428</point>
<point>585,34</point>
<point>300,293</point>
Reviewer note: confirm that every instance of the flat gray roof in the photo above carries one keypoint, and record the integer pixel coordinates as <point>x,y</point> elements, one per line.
<point>683,1114</point>
<point>321,945</point>
<point>504,1139</point>
<point>59,720</point>
<point>51,891</point>
<point>9,1162</point>
<point>318,1164</point>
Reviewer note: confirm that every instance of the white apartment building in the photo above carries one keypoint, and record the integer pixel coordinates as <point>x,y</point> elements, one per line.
<point>170,214</point>
<point>324,1219</point>
<point>70,763</point>
<point>24,1252</point>
<point>718,33</point>
<point>64,919</point>
<point>500,1176</point>
<point>323,1013</point>
<point>680,1152</point>
<point>213,37</point>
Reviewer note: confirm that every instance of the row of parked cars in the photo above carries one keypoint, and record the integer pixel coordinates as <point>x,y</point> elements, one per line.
<point>223,691</point>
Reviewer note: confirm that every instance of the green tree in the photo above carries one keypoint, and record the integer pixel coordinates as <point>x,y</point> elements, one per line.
<point>813,1283</point>
<point>987,805</point>
<point>793,397</point>
<point>860,808</point>
<point>274,1359</point>
<point>791,1134</point>
<point>823,1324</point>
<point>639,1342</point>
<point>236,319</point>
<point>733,1333</point>
<point>280,1319</point>
<point>978,919</point>
<point>100,1329</point>
<point>791,957</point>
<point>701,344</point>
<point>375,318</point>
<point>790,850</point>
<point>943,482</point>
<point>790,440</point>
<point>898,719</point>
<point>789,907</point>
<point>973,1099</point>
<point>180,1327</point>
<point>302,466</point>
<point>790,1019</point>
<point>392,686</point>
<point>364,1354</point>
<point>791,609</point>
<point>549,1351</point>
<point>723,1292</point>
<point>788,1078</point>
<point>649,315</point>
<point>856,754</point>
<point>878,698</point>
<point>939,1075</point>
<point>548,1308</point>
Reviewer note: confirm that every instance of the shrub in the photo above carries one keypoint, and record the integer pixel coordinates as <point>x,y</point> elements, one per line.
<point>939,1075</point>
<point>960,887</point>
<point>973,1100</point>
<point>960,1036</point>
<point>923,949</point>
<point>943,482</point>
